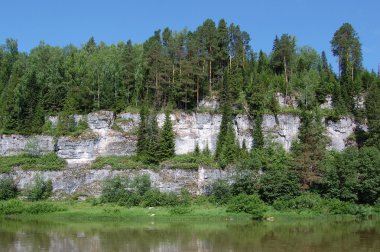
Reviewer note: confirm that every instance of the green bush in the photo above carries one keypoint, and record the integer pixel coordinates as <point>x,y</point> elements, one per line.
<point>39,190</point>
<point>251,204</point>
<point>335,206</point>
<point>116,190</point>
<point>153,198</point>
<point>305,201</point>
<point>125,191</point>
<point>12,206</point>
<point>42,207</point>
<point>8,189</point>
<point>245,182</point>
<point>141,184</point>
<point>221,190</point>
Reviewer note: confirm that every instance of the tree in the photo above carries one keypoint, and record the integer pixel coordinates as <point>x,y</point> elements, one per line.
<point>283,55</point>
<point>346,46</point>
<point>373,116</point>
<point>310,150</point>
<point>167,138</point>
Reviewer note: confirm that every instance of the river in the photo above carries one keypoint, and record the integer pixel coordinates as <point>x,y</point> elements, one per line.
<point>165,236</point>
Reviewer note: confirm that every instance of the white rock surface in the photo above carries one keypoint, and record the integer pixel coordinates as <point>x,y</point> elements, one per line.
<point>15,144</point>
<point>328,104</point>
<point>282,129</point>
<point>87,181</point>
<point>339,131</point>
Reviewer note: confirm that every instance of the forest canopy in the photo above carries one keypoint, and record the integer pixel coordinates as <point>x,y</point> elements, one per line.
<point>178,69</point>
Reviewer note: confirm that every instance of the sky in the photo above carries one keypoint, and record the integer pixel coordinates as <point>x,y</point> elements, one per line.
<point>313,23</point>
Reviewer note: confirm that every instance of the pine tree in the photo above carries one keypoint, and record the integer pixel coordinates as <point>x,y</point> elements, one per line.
<point>229,150</point>
<point>152,147</point>
<point>167,139</point>
<point>258,138</point>
<point>310,150</point>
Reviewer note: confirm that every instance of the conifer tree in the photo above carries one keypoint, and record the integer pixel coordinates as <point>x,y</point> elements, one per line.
<point>167,138</point>
<point>151,152</point>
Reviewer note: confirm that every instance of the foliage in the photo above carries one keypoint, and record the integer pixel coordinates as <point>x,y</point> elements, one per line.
<point>48,162</point>
<point>167,144</point>
<point>250,204</point>
<point>8,189</point>
<point>279,183</point>
<point>12,207</point>
<point>39,190</point>
<point>118,162</point>
<point>221,190</point>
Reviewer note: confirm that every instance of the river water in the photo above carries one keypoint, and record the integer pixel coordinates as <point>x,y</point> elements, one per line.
<point>166,236</point>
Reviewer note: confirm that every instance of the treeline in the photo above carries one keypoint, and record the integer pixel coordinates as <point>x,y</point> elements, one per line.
<point>176,69</point>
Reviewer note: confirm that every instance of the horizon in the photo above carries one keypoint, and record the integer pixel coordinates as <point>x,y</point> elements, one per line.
<point>313,24</point>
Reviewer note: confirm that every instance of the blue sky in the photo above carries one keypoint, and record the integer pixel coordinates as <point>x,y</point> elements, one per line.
<point>313,23</point>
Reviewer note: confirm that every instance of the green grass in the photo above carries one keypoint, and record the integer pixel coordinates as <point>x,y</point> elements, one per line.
<point>118,163</point>
<point>189,161</point>
<point>48,162</point>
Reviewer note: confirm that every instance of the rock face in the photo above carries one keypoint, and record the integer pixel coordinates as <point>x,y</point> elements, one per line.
<point>89,182</point>
<point>111,134</point>
<point>339,131</point>
<point>282,129</point>
<point>16,144</point>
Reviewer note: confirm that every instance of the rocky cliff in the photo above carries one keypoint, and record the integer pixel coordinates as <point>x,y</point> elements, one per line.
<point>115,134</point>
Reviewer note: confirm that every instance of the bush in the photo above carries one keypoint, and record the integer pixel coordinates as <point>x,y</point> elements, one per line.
<point>42,207</point>
<point>141,184</point>
<point>221,190</point>
<point>251,204</point>
<point>279,183</point>
<point>39,190</point>
<point>116,190</point>
<point>153,198</point>
<point>245,182</point>
<point>305,201</point>
<point>12,206</point>
<point>125,191</point>
<point>8,189</point>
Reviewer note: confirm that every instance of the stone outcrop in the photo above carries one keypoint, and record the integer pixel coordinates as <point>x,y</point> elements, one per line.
<point>339,132</point>
<point>17,144</point>
<point>282,129</point>
<point>89,182</point>
<point>110,134</point>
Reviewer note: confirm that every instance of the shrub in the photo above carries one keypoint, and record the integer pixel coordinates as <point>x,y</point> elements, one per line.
<point>221,190</point>
<point>335,206</point>
<point>153,198</point>
<point>279,183</point>
<point>116,189</point>
<point>141,184</point>
<point>305,201</point>
<point>12,206</point>
<point>245,182</point>
<point>251,204</point>
<point>42,207</point>
<point>8,189</point>
<point>40,189</point>
<point>125,191</point>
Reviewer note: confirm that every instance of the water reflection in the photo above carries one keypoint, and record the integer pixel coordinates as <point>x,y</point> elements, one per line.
<point>324,235</point>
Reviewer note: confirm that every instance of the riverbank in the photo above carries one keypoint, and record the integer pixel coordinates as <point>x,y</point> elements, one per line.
<point>87,211</point>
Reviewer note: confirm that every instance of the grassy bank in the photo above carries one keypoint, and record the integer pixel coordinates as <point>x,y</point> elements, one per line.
<point>87,211</point>
<point>48,162</point>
